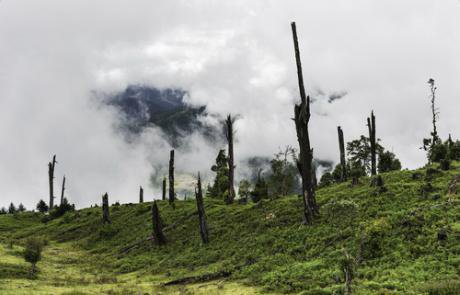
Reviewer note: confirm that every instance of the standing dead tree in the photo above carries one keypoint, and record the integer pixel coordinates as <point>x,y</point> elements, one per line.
<point>434,111</point>
<point>201,213</point>
<point>62,190</point>
<point>171,178</point>
<point>231,167</point>
<point>302,117</point>
<point>105,209</point>
<point>51,166</point>
<point>343,164</point>
<point>372,140</point>
<point>159,237</point>
<point>141,194</point>
<point>163,196</point>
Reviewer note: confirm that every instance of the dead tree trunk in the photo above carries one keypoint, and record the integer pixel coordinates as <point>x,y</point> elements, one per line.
<point>343,163</point>
<point>62,190</point>
<point>105,209</point>
<point>171,178</point>
<point>201,214</point>
<point>157,225</point>
<point>302,117</point>
<point>434,112</point>
<point>372,140</point>
<point>163,197</point>
<point>231,172</point>
<point>141,194</point>
<point>51,166</point>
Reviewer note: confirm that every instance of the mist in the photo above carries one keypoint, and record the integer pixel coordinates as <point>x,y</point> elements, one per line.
<point>234,57</point>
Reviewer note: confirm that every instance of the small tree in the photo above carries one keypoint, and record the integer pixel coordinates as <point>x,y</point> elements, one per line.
<point>42,207</point>
<point>283,179</point>
<point>21,208</point>
<point>244,189</point>
<point>2,210</point>
<point>220,187</point>
<point>11,209</point>
<point>33,251</point>
<point>388,162</point>
<point>260,189</point>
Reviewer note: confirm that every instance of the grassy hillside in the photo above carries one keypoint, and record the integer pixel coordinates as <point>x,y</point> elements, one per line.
<point>262,247</point>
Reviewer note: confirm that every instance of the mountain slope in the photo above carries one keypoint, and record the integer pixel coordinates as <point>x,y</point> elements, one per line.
<point>397,236</point>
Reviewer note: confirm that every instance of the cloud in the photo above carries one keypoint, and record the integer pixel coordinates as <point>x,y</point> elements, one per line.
<point>234,56</point>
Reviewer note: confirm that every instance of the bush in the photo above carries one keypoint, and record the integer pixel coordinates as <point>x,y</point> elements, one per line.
<point>33,251</point>
<point>451,287</point>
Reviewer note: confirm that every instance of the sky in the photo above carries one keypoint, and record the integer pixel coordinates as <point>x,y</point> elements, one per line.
<point>232,56</point>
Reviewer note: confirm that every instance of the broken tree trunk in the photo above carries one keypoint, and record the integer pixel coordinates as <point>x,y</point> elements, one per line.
<point>302,117</point>
<point>201,213</point>
<point>163,197</point>
<point>157,225</point>
<point>231,172</point>
<point>372,140</point>
<point>201,278</point>
<point>51,166</point>
<point>62,190</point>
<point>343,163</point>
<point>141,195</point>
<point>171,178</point>
<point>105,209</point>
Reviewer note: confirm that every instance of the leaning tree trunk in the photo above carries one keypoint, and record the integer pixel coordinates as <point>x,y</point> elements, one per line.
<point>51,166</point>
<point>302,117</point>
<point>371,126</point>
<point>343,163</point>
<point>141,195</point>
<point>163,197</point>
<point>105,209</point>
<point>62,190</point>
<point>157,225</point>
<point>231,172</point>
<point>201,214</point>
<point>171,178</point>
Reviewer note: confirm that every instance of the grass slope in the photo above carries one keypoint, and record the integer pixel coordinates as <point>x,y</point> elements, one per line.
<point>264,245</point>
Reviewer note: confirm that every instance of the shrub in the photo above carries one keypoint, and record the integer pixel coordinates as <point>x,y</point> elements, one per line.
<point>450,287</point>
<point>33,251</point>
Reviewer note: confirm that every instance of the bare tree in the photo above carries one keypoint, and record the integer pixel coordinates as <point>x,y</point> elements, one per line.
<point>62,189</point>
<point>231,172</point>
<point>163,197</point>
<point>343,163</point>
<point>201,213</point>
<point>171,178</point>
<point>434,111</point>
<point>105,209</point>
<point>302,117</point>
<point>157,225</point>
<point>372,140</point>
<point>141,194</point>
<point>51,166</point>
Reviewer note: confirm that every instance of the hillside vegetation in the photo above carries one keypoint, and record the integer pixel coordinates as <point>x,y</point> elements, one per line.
<point>402,240</point>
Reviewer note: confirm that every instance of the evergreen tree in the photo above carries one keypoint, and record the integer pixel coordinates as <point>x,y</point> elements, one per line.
<point>388,162</point>
<point>42,207</point>
<point>260,189</point>
<point>244,189</point>
<point>283,179</point>
<point>3,210</point>
<point>21,208</point>
<point>220,187</point>
<point>11,209</point>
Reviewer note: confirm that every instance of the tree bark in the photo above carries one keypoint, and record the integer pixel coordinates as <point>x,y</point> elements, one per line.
<point>231,172</point>
<point>51,166</point>
<point>171,178</point>
<point>157,225</point>
<point>105,209</point>
<point>201,213</point>
<point>141,195</point>
<point>343,163</point>
<point>163,197</point>
<point>372,140</point>
<point>302,117</point>
<point>62,190</point>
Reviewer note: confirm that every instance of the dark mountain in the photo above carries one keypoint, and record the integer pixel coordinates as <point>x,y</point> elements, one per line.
<point>144,106</point>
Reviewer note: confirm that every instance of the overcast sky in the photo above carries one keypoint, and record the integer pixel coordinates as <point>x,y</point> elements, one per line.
<point>233,56</point>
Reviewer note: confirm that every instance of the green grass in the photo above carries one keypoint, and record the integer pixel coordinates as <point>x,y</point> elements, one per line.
<point>264,246</point>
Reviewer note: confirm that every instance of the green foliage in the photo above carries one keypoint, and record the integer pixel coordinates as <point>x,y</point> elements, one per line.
<point>260,190</point>
<point>283,179</point>
<point>388,162</point>
<point>11,209</point>
<point>60,210</point>
<point>219,189</point>
<point>33,251</point>
<point>359,153</point>
<point>42,207</point>
<point>449,287</point>
<point>244,189</point>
